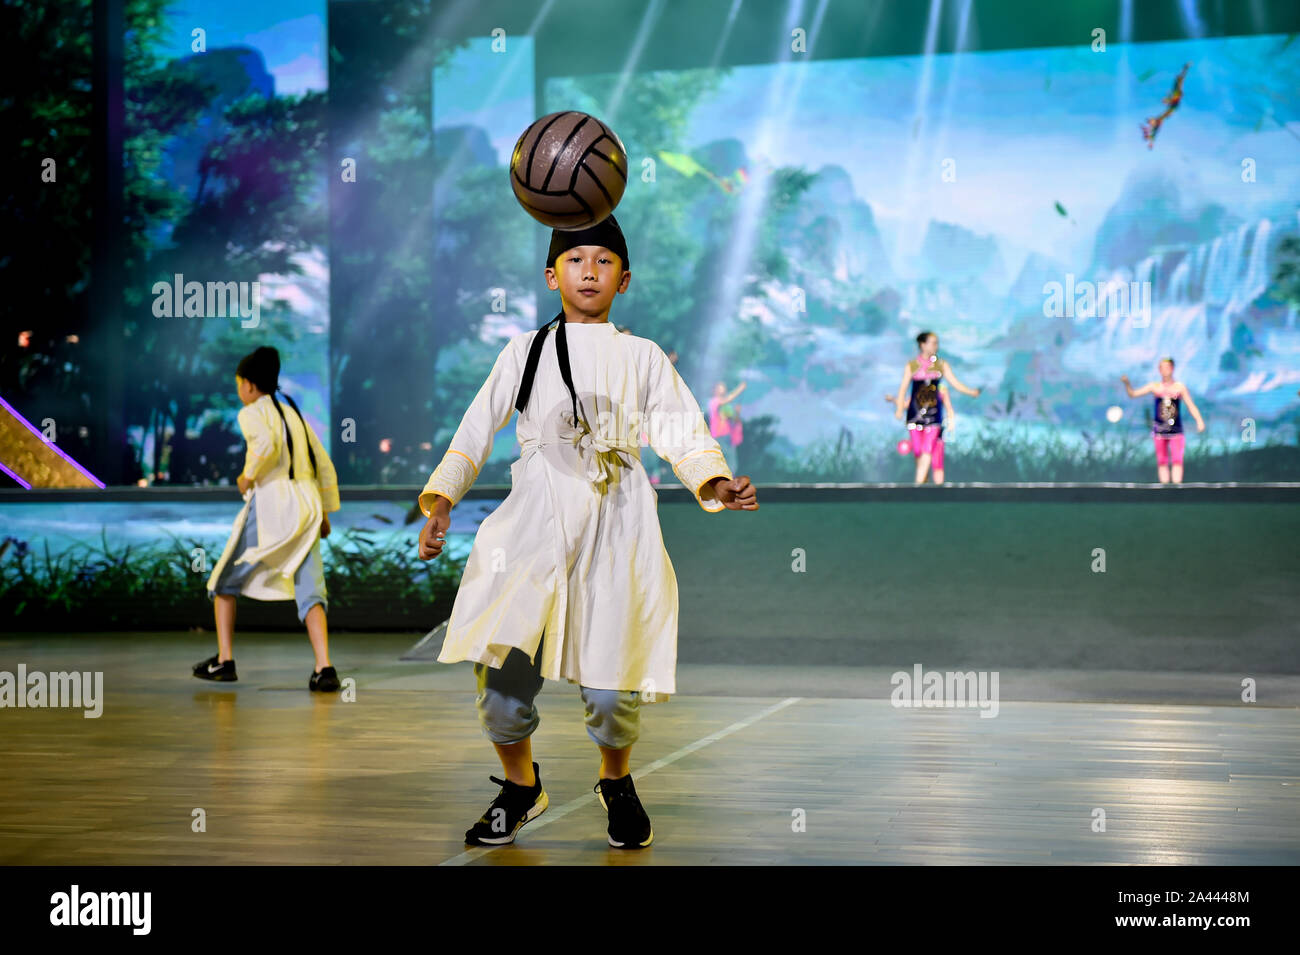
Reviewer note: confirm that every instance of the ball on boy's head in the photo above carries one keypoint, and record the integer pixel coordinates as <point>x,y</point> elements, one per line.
<point>904,447</point>
<point>568,170</point>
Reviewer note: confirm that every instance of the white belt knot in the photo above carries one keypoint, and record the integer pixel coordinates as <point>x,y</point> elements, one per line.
<point>601,456</point>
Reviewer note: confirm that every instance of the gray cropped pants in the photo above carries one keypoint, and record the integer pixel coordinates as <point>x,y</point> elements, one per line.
<point>506,707</point>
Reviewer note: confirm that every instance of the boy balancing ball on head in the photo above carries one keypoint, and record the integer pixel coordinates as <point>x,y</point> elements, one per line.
<point>568,578</point>
<point>274,549</point>
<point>1167,422</point>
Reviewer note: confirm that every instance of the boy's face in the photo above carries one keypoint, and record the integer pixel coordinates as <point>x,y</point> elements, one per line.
<point>587,278</point>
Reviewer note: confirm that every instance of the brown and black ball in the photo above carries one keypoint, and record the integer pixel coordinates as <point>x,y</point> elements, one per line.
<point>568,170</point>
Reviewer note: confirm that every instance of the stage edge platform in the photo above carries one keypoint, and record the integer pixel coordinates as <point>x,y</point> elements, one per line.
<point>1221,493</point>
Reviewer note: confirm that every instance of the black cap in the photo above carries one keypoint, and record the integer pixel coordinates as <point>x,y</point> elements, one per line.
<point>604,233</point>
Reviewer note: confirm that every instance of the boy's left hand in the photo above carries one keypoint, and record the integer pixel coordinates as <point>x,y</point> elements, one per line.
<point>737,494</point>
<point>244,484</point>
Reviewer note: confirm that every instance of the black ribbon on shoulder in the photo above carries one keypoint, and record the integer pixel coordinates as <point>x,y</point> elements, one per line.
<point>535,356</point>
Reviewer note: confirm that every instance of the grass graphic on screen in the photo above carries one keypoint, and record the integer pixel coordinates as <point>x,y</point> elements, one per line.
<point>371,585</point>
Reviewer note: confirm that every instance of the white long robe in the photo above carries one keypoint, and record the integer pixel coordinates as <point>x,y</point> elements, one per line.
<point>289,512</point>
<point>575,550</point>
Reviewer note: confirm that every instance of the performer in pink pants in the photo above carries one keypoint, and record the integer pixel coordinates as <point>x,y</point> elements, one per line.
<point>926,403</point>
<point>1167,420</point>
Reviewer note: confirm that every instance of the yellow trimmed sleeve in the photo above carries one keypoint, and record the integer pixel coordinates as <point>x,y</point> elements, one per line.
<point>679,434</point>
<point>326,477</point>
<point>488,413</point>
<point>450,479</point>
<point>696,471</point>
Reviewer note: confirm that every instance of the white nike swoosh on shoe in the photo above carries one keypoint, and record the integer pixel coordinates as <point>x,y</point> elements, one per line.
<point>213,669</point>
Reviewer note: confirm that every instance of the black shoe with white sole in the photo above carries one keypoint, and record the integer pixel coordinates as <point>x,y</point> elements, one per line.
<point>214,669</point>
<point>629,826</point>
<point>514,806</point>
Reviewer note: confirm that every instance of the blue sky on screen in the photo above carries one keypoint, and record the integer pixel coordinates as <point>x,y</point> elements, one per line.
<point>493,91</point>
<point>1026,128</point>
<point>290,35</point>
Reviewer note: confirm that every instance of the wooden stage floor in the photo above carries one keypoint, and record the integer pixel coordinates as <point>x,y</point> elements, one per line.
<point>286,777</point>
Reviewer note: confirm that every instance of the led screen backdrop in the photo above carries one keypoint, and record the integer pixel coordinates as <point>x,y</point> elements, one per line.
<point>794,221</point>
<point>228,134</point>
<point>795,225</point>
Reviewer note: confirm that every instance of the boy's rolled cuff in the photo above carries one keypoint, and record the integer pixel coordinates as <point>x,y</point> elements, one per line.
<point>450,479</point>
<point>696,470</point>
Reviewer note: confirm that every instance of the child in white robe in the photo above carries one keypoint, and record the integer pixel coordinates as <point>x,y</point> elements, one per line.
<point>568,578</point>
<point>273,552</point>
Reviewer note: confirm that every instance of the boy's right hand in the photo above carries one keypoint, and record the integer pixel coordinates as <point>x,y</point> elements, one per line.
<point>433,536</point>
<point>737,494</point>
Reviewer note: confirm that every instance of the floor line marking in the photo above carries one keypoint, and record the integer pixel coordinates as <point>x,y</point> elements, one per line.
<point>552,815</point>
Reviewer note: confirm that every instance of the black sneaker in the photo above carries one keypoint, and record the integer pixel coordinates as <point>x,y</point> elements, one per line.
<point>514,806</point>
<point>214,669</point>
<point>629,826</point>
<point>324,681</point>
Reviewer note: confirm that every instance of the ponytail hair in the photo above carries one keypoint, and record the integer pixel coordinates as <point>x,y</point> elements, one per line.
<point>288,434</point>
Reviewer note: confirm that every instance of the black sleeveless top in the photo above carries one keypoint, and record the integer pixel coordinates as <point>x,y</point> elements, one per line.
<point>923,407</point>
<point>1168,416</point>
